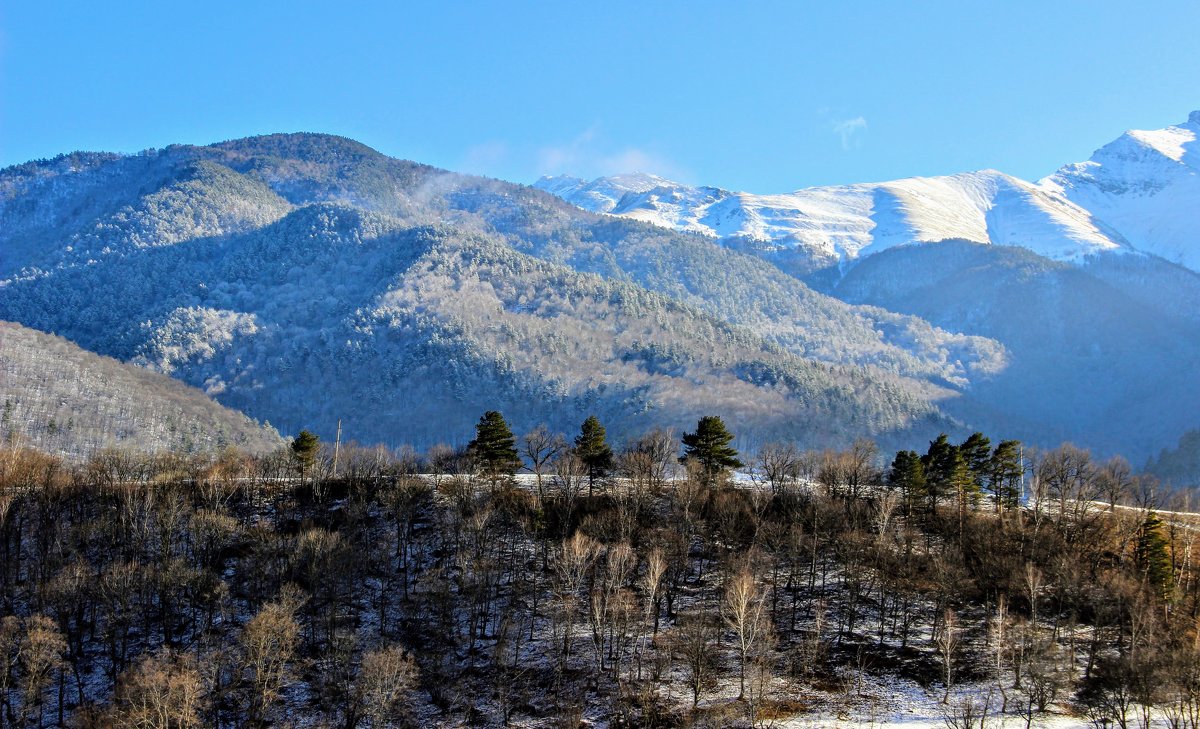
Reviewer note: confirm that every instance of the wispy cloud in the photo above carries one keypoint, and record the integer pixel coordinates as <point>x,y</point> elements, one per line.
<point>588,155</point>
<point>485,158</point>
<point>850,131</point>
<point>566,157</point>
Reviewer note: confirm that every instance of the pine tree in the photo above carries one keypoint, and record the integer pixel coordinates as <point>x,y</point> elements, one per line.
<point>939,464</point>
<point>963,485</point>
<point>593,450</point>
<point>709,446</point>
<point>1153,557</point>
<point>495,447</point>
<point>304,451</point>
<point>1004,474</point>
<point>977,452</point>
<point>907,476</point>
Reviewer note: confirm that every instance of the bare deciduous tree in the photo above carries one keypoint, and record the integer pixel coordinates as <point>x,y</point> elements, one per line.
<point>744,612</point>
<point>161,691</point>
<point>269,643</point>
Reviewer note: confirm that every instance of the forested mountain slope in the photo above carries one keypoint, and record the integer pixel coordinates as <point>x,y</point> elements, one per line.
<point>305,278</point>
<point>1096,357</point>
<point>65,400</point>
<point>407,333</point>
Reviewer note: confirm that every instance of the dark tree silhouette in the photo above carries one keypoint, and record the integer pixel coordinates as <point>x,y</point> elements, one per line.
<point>593,450</point>
<point>709,447</point>
<point>304,451</point>
<point>495,447</point>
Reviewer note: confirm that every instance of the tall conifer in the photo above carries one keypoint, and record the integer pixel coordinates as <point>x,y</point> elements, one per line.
<point>592,448</point>
<point>709,446</point>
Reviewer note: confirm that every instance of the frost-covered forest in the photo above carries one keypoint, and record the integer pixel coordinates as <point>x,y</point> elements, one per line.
<point>70,402</point>
<point>263,270</point>
<point>550,579</point>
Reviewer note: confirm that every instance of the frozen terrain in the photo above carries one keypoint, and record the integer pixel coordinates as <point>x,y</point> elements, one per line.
<point>1140,192</point>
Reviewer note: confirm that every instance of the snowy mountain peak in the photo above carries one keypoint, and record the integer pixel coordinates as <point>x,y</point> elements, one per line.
<point>1146,185</point>
<point>560,185</point>
<point>1139,192</point>
<point>604,194</point>
<point>821,226</point>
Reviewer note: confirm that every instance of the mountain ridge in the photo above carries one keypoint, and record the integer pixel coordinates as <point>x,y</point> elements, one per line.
<point>269,268</point>
<point>1069,215</point>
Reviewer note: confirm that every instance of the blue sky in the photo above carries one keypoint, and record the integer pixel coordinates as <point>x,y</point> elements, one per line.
<point>760,96</point>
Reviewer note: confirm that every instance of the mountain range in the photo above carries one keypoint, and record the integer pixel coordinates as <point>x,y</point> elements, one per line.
<point>1088,277</point>
<point>305,278</point>
<point>1135,194</point>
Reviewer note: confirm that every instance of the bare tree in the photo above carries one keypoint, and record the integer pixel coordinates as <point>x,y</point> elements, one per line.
<point>744,612</point>
<point>269,643</point>
<point>948,640</point>
<point>1070,480</point>
<point>968,711</point>
<point>386,679</point>
<point>570,477</point>
<point>42,650</point>
<point>574,561</point>
<point>779,465</point>
<point>1115,481</point>
<point>162,691</point>
<point>540,447</point>
<point>694,645</point>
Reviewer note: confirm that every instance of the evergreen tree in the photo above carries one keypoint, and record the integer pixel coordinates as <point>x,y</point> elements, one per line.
<point>1153,556</point>
<point>304,451</point>
<point>963,485</point>
<point>939,464</point>
<point>977,452</point>
<point>495,447</point>
<point>1004,474</point>
<point>593,450</point>
<point>709,446</point>
<point>907,476</point>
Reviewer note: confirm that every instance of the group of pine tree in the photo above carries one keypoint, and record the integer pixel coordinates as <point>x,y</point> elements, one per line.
<point>638,583</point>
<point>963,471</point>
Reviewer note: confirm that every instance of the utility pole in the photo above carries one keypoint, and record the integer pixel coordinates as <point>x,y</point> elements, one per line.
<point>337,445</point>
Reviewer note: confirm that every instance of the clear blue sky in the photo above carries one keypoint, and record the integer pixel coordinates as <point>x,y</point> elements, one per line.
<point>760,96</point>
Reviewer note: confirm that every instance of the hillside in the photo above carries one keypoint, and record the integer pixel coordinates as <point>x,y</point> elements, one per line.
<point>1085,279</point>
<point>433,296</point>
<point>1089,348</point>
<point>65,400</point>
<point>260,269</point>
<point>407,334</point>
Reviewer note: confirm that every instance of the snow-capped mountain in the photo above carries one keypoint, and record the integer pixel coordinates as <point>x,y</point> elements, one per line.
<point>837,224</point>
<point>604,194</point>
<point>1145,184</point>
<point>1088,278</point>
<point>267,269</point>
<point>1141,192</point>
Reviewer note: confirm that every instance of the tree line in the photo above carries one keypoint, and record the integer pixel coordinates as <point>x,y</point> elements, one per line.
<point>641,582</point>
